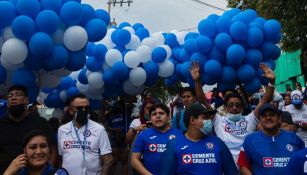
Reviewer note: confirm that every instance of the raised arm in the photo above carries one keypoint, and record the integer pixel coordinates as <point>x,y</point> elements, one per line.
<point>269,91</point>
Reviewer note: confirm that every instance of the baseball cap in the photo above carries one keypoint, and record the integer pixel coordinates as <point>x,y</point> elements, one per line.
<point>265,107</point>
<point>296,94</point>
<point>196,109</point>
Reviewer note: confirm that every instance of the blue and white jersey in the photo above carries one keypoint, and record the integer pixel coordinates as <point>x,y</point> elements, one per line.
<point>152,143</point>
<point>298,163</point>
<point>208,156</point>
<point>270,155</point>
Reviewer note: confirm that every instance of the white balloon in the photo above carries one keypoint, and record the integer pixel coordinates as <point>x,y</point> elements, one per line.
<point>158,37</point>
<point>132,59</point>
<point>105,67</point>
<point>130,29</point>
<point>57,36</point>
<point>41,97</point>
<point>14,51</point>
<point>75,38</point>
<point>150,42</point>
<point>63,95</point>
<point>81,87</point>
<point>1,42</point>
<point>145,53</point>
<point>131,89</point>
<point>166,69</point>
<point>180,37</point>
<point>87,73</point>
<point>174,31</point>
<point>74,75</point>
<point>137,76</point>
<point>9,66</point>
<point>8,33</point>
<point>168,51</point>
<point>95,80</point>
<point>107,42</point>
<point>110,31</point>
<point>112,56</point>
<point>134,43</point>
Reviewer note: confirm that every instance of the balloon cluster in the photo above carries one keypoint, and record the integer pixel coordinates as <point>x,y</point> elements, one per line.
<point>44,40</point>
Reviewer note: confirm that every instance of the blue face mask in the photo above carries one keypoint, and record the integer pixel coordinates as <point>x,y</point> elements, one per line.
<point>234,117</point>
<point>297,101</point>
<point>207,127</point>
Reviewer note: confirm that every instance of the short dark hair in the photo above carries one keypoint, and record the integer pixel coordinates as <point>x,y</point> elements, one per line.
<point>21,88</point>
<point>72,98</point>
<point>32,134</point>
<point>159,105</point>
<point>189,89</point>
<point>233,95</point>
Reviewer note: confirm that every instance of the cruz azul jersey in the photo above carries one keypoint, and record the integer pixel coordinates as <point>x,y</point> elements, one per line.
<point>152,143</point>
<point>270,155</point>
<point>208,156</point>
<point>298,163</point>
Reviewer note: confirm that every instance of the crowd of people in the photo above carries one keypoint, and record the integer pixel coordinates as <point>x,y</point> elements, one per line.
<point>231,133</point>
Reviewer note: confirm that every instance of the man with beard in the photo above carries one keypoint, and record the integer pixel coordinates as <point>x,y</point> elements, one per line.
<point>298,111</point>
<point>16,124</point>
<point>83,144</point>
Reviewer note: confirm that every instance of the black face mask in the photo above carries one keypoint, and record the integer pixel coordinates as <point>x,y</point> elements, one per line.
<point>81,117</point>
<point>17,110</point>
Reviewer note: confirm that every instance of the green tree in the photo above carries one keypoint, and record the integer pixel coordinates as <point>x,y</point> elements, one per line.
<point>292,14</point>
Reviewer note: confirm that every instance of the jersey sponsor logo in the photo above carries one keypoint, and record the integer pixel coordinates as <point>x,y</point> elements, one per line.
<point>171,137</point>
<point>210,145</point>
<point>184,147</point>
<point>240,129</point>
<point>87,133</point>
<point>71,144</point>
<point>160,148</point>
<point>152,137</point>
<point>187,158</point>
<point>275,161</point>
<point>289,147</point>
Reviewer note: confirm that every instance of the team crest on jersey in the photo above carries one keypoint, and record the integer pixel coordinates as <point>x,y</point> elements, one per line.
<point>243,123</point>
<point>153,147</point>
<point>268,162</point>
<point>289,147</point>
<point>171,137</point>
<point>86,133</point>
<point>66,145</point>
<point>187,158</point>
<point>210,146</point>
<point>227,128</point>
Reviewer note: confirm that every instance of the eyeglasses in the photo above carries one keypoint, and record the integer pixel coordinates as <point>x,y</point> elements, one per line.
<point>11,95</point>
<point>82,108</point>
<point>231,105</point>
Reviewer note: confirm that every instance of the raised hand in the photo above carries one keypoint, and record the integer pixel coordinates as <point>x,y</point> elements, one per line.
<point>195,71</point>
<point>18,163</point>
<point>268,72</point>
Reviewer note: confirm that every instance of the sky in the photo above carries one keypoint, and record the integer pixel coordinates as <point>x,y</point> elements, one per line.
<point>162,15</point>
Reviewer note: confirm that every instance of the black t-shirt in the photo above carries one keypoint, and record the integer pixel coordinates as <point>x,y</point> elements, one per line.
<point>286,117</point>
<point>12,134</point>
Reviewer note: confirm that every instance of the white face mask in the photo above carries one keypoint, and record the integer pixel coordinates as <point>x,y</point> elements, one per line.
<point>234,117</point>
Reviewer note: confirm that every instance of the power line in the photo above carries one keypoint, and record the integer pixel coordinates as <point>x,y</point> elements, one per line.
<point>209,5</point>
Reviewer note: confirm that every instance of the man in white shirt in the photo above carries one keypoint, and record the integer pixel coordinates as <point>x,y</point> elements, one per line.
<point>83,144</point>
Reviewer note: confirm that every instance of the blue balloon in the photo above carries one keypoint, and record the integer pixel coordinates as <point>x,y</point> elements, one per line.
<point>76,61</point>
<point>150,81</point>
<point>270,63</point>
<point>28,7</point>
<point>89,50</point>
<point>222,41</point>
<point>95,104</point>
<point>34,63</point>
<point>72,91</point>
<point>8,13</point>
<point>58,58</point>
<point>82,77</point>
<point>213,68</point>
<point>93,64</point>
<point>190,46</point>
<point>23,27</point>
<point>216,55</point>
<point>183,56</point>
<point>253,57</point>
<point>246,73</point>
<point>203,43</point>
<point>53,100</point>
<point>103,15</point>
<point>171,40</point>
<point>137,26</point>
<point>121,37</point>
<point>223,24</point>
<point>158,54</point>
<point>121,70</point>
<point>123,24</point>
<point>235,55</point>
<point>108,77</point>
<point>2,74</point>
<point>65,83</point>
<point>47,90</point>
<point>71,13</point>
<point>255,24</point>
<point>243,17</point>
<point>260,20</point>
<point>100,51</point>
<point>47,21</point>
<point>151,68</point>
<point>199,58</point>
<point>269,51</point>
<point>231,13</point>
<point>142,33</point>
<point>96,29</point>
<point>207,27</point>
<point>229,75</point>
<point>178,69</point>
<point>88,14</point>
<point>238,31</point>
<point>23,76</point>
<point>262,78</point>
<point>191,35</point>
<point>185,69</point>
<point>271,28</point>
<point>253,86</point>
<point>40,44</point>
<point>252,14</point>
<point>254,37</point>
<point>54,5</point>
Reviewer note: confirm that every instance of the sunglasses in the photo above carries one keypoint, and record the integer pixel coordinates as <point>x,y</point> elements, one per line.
<point>231,105</point>
<point>82,108</point>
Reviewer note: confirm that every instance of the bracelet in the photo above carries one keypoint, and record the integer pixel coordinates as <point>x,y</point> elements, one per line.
<point>271,85</point>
